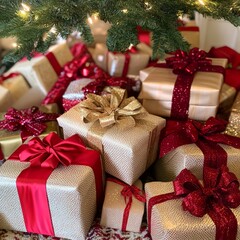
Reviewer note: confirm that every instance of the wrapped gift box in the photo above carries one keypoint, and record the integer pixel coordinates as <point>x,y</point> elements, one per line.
<point>71,197</point>
<point>191,35</point>
<point>233,127</point>
<point>6,99</point>
<point>126,152</point>
<point>158,85</point>
<point>115,204</point>
<point>39,72</point>
<point>170,222</point>
<point>11,140</point>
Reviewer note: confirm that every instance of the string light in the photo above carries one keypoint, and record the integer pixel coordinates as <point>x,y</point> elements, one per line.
<point>24,11</point>
<point>53,30</point>
<point>148,5</point>
<point>201,2</point>
<point>125,11</point>
<point>90,20</point>
<point>26,8</point>
<point>14,45</point>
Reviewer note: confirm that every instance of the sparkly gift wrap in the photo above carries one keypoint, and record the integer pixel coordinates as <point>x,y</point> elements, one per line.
<point>191,157</point>
<point>117,63</point>
<point>170,222</point>
<point>158,85</point>
<point>233,127</point>
<point>39,72</point>
<point>114,206</point>
<point>71,195</point>
<point>10,141</point>
<point>126,152</point>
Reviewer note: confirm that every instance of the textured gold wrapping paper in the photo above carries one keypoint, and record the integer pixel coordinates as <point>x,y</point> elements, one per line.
<point>10,141</point>
<point>71,194</point>
<point>191,157</point>
<point>233,127</point>
<point>116,62</point>
<point>39,72</point>
<point>170,222</point>
<point>6,99</point>
<point>126,152</point>
<point>114,206</point>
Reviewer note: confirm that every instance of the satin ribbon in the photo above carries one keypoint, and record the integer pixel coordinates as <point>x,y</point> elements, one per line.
<point>185,66</point>
<point>128,192</point>
<point>29,121</point>
<point>233,71</point>
<point>54,62</point>
<point>214,199</point>
<point>5,77</point>
<point>188,29</point>
<point>44,156</point>
<point>111,109</point>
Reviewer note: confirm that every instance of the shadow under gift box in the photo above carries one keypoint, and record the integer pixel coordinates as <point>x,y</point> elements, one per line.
<point>71,194</point>
<point>157,91</point>
<point>39,72</point>
<point>10,141</point>
<point>126,153</point>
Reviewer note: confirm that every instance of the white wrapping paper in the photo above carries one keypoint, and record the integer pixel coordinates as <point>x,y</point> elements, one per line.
<point>191,157</point>
<point>126,152</point>
<point>39,72</point>
<point>114,206</point>
<point>170,222</point>
<point>71,194</point>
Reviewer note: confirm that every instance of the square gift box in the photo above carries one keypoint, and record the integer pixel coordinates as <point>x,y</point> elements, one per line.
<point>127,151</point>
<point>11,140</point>
<point>158,85</point>
<point>114,211</point>
<point>65,201</point>
<point>42,71</point>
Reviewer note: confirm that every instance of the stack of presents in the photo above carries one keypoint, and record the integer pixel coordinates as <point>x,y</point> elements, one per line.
<point>88,133</point>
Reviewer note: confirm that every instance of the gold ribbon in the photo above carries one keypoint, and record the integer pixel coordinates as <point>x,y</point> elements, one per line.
<point>112,108</point>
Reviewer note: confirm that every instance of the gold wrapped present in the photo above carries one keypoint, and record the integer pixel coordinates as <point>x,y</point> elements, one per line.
<point>5,98</point>
<point>69,186</point>
<point>191,35</point>
<point>42,72</point>
<point>120,128</point>
<point>11,140</point>
<point>119,198</point>
<point>181,209</point>
<point>159,83</point>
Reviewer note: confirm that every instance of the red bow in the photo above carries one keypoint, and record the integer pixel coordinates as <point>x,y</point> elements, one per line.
<point>214,200</point>
<point>5,77</point>
<point>128,192</point>
<point>188,63</point>
<point>29,121</point>
<point>179,133</point>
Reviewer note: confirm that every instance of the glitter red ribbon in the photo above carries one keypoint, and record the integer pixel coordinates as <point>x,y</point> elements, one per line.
<point>29,121</point>
<point>186,65</point>
<point>128,192</point>
<point>214,199</point>
<point>45,155</point>
<point>232,75</point>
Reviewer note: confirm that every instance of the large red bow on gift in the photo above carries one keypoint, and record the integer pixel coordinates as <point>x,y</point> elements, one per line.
<point>29,121</point>
<point>215,199</point>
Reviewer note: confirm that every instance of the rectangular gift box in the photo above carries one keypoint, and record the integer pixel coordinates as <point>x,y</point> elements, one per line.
<point>114,206</point>
<point>71,194</point>
<point>127,153</point>
<point>10,141</point>
<point>233,127</point>
<point>158,85</point>
<point>191,157</point>
<point>170,222</point>
<point>39,72</point>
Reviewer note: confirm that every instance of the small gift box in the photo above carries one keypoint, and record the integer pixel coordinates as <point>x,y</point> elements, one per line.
<point>177,93</point>
<point>186,209</point>
<point>53,187</point>
<point>17,125</point>
<point>233,127</point>
<point>193,145</point>
<point>123,206</point>
<point>120,128</point>
<point>43,71</point>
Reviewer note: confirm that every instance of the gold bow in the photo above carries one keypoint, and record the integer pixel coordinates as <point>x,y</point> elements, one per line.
<point>111,109</point>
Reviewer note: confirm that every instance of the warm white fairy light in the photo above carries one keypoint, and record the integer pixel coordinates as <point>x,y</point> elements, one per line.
<point>148,5</point>
<point>53,30</point>
<point>26,8</point>
<point>90,20</point>
<point>125,11</point>
<point>14,45</point>
<point>201,2</point>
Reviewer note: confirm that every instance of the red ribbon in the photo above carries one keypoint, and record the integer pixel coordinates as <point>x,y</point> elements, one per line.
<point>29,121</point>
<point>186,65</point>
<point>128,192</point>
<point>45,155</point>
<point>188,29</point>
<point>233,72</point>
<point>215,199</point>
<point>144,36</point>
<point>54,62</point>
<point>5,77</point>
